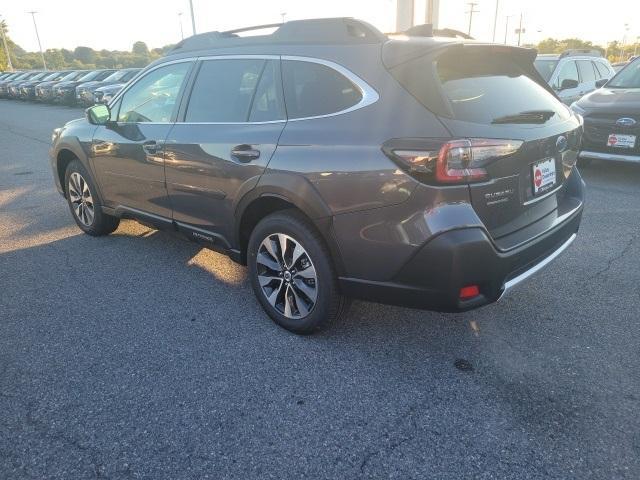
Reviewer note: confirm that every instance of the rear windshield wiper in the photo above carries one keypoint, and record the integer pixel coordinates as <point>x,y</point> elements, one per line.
<point>530,116</point>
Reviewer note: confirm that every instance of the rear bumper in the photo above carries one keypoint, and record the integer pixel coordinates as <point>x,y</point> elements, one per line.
<point>432,279</point>
<point>616,157</point>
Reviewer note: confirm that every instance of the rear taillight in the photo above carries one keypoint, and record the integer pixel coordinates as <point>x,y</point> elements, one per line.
<point>453,161</point>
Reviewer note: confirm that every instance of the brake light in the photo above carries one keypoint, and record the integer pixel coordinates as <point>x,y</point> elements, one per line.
<point>455,161</point>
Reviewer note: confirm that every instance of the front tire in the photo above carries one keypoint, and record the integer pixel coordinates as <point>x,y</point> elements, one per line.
<point>84,203</point>
<point>292,273</point>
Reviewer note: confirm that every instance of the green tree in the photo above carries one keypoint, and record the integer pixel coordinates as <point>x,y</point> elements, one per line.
<point>140,48</point>
<point>85,55</point>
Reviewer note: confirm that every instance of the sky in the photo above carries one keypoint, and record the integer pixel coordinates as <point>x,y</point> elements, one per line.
<point>117,24</point>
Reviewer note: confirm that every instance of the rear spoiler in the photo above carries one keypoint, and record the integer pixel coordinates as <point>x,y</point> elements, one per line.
<point>396,52</point>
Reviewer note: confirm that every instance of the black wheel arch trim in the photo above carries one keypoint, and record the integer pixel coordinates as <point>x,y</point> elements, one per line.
<point>299,192</point>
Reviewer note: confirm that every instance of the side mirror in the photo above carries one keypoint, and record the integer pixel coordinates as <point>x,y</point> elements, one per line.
<point>601,83</point>
<point>98,115</point>
<point>569,83</point>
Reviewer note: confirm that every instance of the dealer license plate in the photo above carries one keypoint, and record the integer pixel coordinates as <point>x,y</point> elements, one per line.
<point>544,176</point>
<point>621,141</point>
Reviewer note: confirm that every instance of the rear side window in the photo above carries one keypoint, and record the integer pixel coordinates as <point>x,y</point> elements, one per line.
<point>602,69</point>
<point>483,88</point>
<point>267,102</point>
<point>586,71</point>
<point>312,89</point>
<point>224,90</point>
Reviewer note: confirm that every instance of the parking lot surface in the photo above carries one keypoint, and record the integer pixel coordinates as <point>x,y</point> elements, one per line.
<point>141,355</point>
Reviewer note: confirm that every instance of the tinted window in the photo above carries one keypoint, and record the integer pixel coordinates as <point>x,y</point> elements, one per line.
<point>602,70</point>
<point>311,89</point>
<point>483,88</point>
<point>629,77</point>
<point>267,102</point>
<point>568,71</point>
<point>153,97</point>
<point>224,90</point>
<point>586,71</point>
<point>545,67</point>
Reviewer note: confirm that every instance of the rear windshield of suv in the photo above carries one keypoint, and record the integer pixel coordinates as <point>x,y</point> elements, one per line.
<point>479,87</point>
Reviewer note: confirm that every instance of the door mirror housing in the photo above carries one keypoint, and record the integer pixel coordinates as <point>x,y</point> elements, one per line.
<point>98,115</point>
<point>602,82</point>
<point>569,83</point>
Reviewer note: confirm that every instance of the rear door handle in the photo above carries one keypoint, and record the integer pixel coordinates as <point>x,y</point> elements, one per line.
<point>151,147</point>
<point>245,153</point>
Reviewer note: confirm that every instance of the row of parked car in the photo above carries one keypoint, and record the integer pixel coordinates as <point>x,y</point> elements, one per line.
<point>68,87</point>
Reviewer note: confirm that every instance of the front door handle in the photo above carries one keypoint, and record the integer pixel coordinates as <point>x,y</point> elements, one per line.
<point>245,153</point>
<point>151,147</point>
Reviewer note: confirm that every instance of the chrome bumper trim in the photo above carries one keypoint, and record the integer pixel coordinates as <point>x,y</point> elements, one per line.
<point>618,157</point>
<point>537,267</point>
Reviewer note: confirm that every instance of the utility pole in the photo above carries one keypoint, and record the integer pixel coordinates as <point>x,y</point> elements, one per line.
<point>404,15</point>
<point>432,13</point>
<point>193,18</point>
<point>6,48</point>
<point>506,27</point>
<point>495,21</point>
<point>283,15</point>
<point>472,10</point>
<point>180,20</point>
<point>33,16</point>
<point>520,29</point>
<point>624,40</point>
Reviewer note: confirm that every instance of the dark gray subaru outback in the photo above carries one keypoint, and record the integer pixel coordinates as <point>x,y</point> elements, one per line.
<point>336,161</point>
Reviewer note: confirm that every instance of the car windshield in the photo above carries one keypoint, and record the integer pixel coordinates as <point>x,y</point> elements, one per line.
<point>117,76</point>
<point>40,76</point>
<point>51,76</point>
<point>545,67</point>
<point>628,77</point>
<point>90,76</point>
<point>72,76</point>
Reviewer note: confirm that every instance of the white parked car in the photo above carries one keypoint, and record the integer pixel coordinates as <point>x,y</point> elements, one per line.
<point>574,73</point>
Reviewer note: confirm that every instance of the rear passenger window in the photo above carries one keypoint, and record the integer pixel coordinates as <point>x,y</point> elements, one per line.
<point>267,102</point>
<point>602,69</point>
<point>312,89</point>
<point>586,71</point>
<point>223,90</point>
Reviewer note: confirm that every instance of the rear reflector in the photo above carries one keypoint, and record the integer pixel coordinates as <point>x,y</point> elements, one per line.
<point>469,291</point>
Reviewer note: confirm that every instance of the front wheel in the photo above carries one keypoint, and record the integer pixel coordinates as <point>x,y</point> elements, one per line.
<point>292,273</point>
<point>84,203</point>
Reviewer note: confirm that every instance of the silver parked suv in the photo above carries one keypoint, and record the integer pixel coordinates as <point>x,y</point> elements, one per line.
<point>336,161</point>
<point>574,73</point>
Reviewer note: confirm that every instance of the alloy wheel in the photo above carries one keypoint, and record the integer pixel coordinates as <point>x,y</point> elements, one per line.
<point>287,276</point>
<point>81,199</point>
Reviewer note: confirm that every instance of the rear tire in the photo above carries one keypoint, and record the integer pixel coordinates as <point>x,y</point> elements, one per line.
<point>84,203</point>
<point>292,273</point>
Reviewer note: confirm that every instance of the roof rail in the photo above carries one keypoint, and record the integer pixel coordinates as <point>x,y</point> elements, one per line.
<point>427,30</point>
<point>587,52</point>
<point>323,31</point>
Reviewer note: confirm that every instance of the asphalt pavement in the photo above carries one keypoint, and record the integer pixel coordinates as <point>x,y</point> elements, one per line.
<point>141,355</point>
